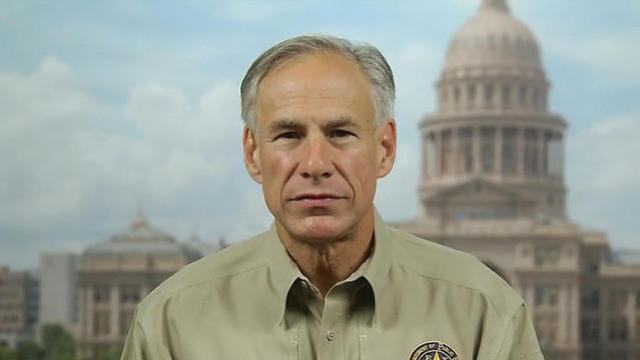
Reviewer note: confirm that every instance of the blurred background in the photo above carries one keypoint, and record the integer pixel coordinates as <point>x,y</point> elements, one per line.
<point>120,139</point>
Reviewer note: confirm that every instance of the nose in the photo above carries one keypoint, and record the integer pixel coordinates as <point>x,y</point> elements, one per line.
<point>316,158</point>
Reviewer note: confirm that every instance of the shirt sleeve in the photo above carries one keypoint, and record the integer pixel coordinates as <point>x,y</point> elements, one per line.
<point>135,347</point>
<point>520,341</point>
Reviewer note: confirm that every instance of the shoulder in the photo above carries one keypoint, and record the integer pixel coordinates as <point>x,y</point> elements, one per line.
<point>454,268</point>
<point>206,272</point>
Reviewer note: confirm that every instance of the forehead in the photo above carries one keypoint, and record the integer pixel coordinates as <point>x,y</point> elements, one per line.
<point>317,84</point>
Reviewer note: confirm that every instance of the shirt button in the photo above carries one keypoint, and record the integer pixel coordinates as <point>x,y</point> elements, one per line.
<point>330,335</point>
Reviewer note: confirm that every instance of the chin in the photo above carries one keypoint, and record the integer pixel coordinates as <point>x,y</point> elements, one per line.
<point>321,229</point>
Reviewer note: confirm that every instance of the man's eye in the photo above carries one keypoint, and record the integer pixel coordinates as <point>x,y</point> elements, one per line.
<point>287,135</point>
<point>341,133</point>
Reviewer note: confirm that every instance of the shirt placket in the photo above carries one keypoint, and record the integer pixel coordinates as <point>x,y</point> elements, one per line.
<point>332,327</point>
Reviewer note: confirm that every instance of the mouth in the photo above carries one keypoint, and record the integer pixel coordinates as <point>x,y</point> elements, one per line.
<point>316,199</point>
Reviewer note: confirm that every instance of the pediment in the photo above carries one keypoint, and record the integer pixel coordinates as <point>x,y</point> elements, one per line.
<point>478,191</point>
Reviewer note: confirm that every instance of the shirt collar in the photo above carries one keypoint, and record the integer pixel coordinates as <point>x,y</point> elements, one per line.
<point>284,271</point>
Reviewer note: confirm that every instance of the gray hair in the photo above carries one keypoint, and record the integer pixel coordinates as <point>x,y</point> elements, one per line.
<point>373,65</point>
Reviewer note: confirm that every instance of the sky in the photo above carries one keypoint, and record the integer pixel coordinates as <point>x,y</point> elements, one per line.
<point>111,107</point>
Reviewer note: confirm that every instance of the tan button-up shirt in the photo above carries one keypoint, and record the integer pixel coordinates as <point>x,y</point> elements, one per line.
<point>412,299</point>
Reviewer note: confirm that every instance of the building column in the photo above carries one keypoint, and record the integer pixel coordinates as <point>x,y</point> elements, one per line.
<point>438,151</point>
<point>497,154</point>
<point>475,138</point>
<point>89,303</point>
<point>520,152</point>
<point>575,310</point>
<point>563,324</point>
<point>114,311</point>
<point>541,152</point>
<point>455,155</point>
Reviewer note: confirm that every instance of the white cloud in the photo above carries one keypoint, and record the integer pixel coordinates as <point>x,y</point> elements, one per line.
<point>600,156</point>
<point>255,11</point>
<point>603,179</point>
<point>615,54</point>
<point>61,164</point>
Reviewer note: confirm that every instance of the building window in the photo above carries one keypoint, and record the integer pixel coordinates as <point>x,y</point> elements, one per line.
<point>590,330</point>
<point>522,95</point>
<point>456,95</point>
<point>488,96</point>
<point>466,150</point>
<point>101,294</point>
<point>638,305</point>
<point>487,148</point>
<point>546,255</point>
<point>509,151</point>
<point>618,330</point>
<point>101,322</point>
<point>546,295</point>
<point>534,97</point>
<point>506,96</point>
<point>471,95</point>
<point>130,293</point>
<point>590,298</point>
<point>617,300</point>
<point>531,152</point>
<point>446,163</point>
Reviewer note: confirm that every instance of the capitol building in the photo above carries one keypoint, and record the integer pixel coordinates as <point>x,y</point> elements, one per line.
<point>492,184</point>
<point>114,275</point>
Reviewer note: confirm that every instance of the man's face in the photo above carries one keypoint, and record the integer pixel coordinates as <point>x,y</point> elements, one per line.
<point>317,152</point>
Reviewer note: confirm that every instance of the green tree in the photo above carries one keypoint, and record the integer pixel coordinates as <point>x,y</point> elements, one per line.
<point>7,354</point>
<point>58,343</point>
<point>29,350</point>
<point>111,355</point>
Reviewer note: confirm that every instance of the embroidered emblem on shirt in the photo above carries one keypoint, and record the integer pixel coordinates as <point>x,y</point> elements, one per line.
<point>433,350</point>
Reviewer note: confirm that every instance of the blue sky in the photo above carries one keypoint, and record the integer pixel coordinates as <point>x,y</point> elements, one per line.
<point>107,106</point>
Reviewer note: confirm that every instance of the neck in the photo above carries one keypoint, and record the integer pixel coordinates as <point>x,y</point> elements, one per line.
<point>332,261</point>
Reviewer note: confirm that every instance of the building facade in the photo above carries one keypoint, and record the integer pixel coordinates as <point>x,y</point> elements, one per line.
<point>114,275</point>
<point>19,305</point>
<point>492,184</point>
<point>58,303</point>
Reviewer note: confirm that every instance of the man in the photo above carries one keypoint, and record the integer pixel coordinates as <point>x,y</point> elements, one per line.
<point>329,280</point>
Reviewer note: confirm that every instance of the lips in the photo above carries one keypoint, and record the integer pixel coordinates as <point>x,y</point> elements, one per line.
<point>315,196</point>
<point>316,199</point>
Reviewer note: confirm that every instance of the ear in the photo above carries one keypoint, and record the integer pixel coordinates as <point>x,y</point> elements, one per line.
<point>251,158</point>
<point>386,141</point>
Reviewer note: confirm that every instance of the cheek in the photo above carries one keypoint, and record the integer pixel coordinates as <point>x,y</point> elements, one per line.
<point>275,169</point>
<point>361,171</point>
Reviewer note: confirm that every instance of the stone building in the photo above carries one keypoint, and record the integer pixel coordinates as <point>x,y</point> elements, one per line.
<point>114,275</point>
<point>492,184</point>
<point>58,303</point>
<point>19,298</point>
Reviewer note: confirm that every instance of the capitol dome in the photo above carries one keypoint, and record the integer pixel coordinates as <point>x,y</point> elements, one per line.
<point>493,37</point>
<point>492,128</point>
<point>141,239</point>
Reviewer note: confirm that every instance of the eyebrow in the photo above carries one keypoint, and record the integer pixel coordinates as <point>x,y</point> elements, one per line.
<point>343,121</point>
<point>294,124</point>
<point>285,124</point>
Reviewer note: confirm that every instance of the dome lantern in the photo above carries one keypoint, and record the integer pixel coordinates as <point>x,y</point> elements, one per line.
<point>494,5</point>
